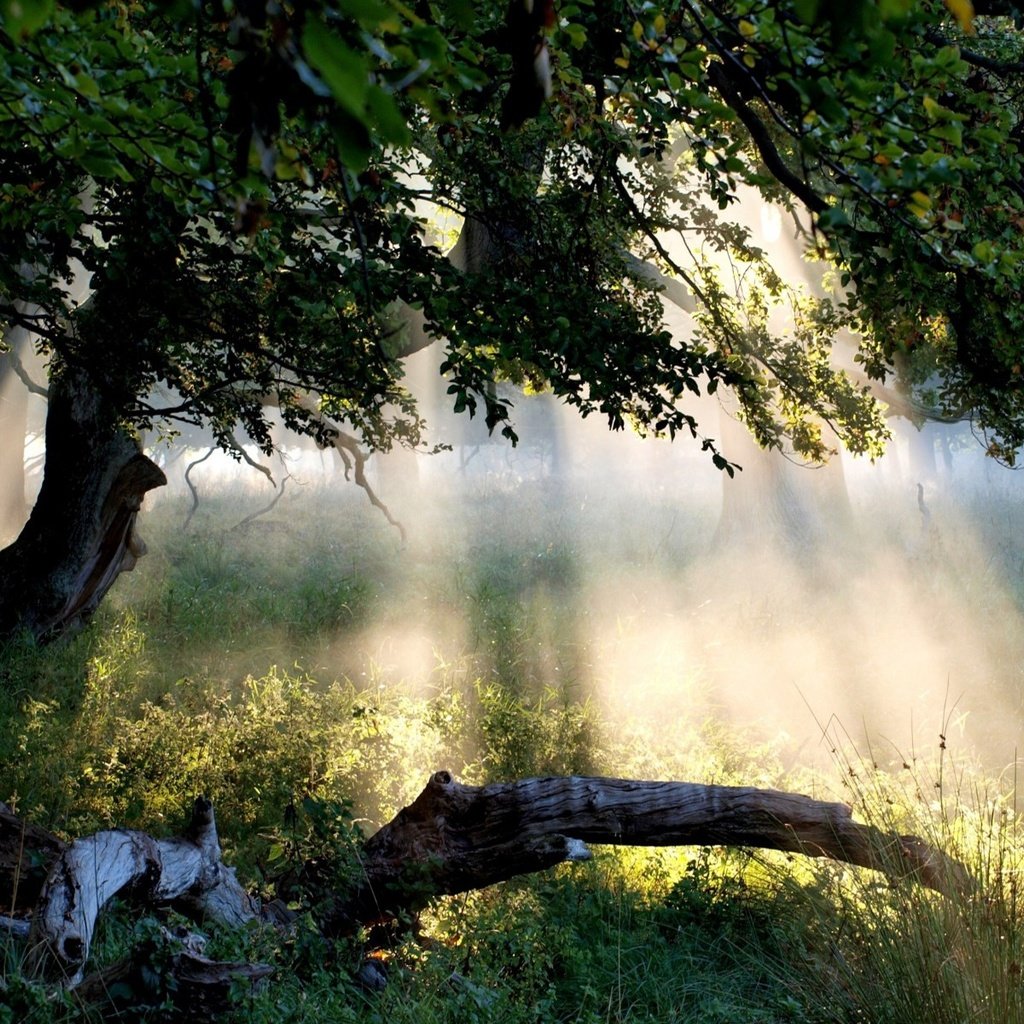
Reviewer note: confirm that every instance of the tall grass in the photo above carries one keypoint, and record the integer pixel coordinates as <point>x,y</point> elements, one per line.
<point>309,656</point>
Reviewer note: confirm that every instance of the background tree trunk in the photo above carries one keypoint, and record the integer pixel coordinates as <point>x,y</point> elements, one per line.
<point>13,428</point>
<point>81,533</point>
<point>775,500</point>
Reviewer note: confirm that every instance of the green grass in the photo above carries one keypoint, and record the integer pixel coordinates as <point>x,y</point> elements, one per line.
<point>309,656</point>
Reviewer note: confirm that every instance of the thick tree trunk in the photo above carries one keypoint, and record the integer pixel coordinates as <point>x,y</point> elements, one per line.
<point>81,533</point>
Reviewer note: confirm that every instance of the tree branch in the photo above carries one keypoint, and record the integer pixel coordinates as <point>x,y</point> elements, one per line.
<point>454,837</point>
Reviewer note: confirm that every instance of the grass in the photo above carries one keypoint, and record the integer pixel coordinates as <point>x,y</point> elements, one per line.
<point>309,656</point>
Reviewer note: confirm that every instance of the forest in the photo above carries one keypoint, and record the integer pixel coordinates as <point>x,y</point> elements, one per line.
<point>508,512</point>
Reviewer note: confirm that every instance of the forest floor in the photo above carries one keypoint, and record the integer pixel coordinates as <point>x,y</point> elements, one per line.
<point>308,671</point>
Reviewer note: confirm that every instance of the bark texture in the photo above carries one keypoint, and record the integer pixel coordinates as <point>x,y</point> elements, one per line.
<point>81,533</point>
<point>184,872</point>
<point>451,839</point>
<point>454,837</point>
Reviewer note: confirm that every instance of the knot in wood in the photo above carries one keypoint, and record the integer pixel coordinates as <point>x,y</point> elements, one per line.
<point>441,778</point>
<point>73,948</point>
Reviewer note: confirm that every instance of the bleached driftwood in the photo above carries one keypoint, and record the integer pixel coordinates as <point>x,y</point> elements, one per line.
<point>184,872</point>
<point>454,837</point>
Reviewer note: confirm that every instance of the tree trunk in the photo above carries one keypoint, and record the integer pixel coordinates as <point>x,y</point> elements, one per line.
<point>13,428</point>
<point>775,500</point>
<point>451,839</point>
<point>81,533</point>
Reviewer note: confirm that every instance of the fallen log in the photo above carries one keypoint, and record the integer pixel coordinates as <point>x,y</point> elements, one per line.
<point>169,969</point>
<point>185,873</point>
<point>451,839</point>
<point>454,837</point>
<point>27,853</point>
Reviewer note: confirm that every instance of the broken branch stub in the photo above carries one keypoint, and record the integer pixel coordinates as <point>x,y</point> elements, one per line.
<point>183,872</point>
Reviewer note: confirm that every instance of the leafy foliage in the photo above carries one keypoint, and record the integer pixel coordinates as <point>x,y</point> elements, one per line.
<point>239,187</point>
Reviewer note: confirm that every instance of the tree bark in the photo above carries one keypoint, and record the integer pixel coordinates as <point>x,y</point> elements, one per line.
<point>451,839</point>
<point>81,533</point>
<point>454,838</point>
<point>183,872</point>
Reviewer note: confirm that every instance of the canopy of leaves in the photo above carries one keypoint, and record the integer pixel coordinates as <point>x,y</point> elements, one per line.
<point>202,207</point>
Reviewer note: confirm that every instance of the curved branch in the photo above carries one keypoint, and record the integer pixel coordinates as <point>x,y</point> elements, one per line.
<point>22,374</point>
<point>191,486</point>
<point>720,79</point>
<point>263,511</point>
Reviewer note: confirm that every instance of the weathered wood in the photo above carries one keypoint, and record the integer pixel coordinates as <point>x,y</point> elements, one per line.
<point>454,837</point>
<point>81,533</point>
<point>185,873</point>
<point>451,839</point>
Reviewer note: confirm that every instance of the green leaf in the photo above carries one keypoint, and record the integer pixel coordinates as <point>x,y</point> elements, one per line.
<point>345,71</point>
<point>387,118</point>
<point>21,18</point>
<point>352,138</point>
<point>371,14</point>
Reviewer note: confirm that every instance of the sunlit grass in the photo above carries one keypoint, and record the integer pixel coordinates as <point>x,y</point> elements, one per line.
<point>309,655</point>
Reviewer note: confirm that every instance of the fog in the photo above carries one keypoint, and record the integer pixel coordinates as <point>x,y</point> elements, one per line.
<point>878,600</point>
<point>874,608</point>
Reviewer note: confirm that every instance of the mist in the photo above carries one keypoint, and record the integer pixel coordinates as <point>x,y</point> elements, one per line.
<point>882,604</point>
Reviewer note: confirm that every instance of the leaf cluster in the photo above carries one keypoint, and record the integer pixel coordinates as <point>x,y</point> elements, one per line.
<point>212,212</point>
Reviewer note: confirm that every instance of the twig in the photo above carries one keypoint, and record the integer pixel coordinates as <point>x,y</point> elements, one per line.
<point>191,486</point>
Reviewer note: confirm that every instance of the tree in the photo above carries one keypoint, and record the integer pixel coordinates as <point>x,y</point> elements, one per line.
<point>235,189</point>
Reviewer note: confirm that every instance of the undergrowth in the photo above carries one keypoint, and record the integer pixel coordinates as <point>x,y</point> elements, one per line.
<point>268,668</point>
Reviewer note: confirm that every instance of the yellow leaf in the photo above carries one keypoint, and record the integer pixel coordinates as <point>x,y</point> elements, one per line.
<point>750,60</point>
<point>747,28</point>
<point>638,31</point>
<point>920,204</point>
<point>931,108</point>
<point>622,62</point>
<point>659,24</point>
<point>963,11</point>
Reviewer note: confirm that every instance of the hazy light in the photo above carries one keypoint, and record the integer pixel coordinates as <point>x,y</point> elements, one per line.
<point>771,223</point>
